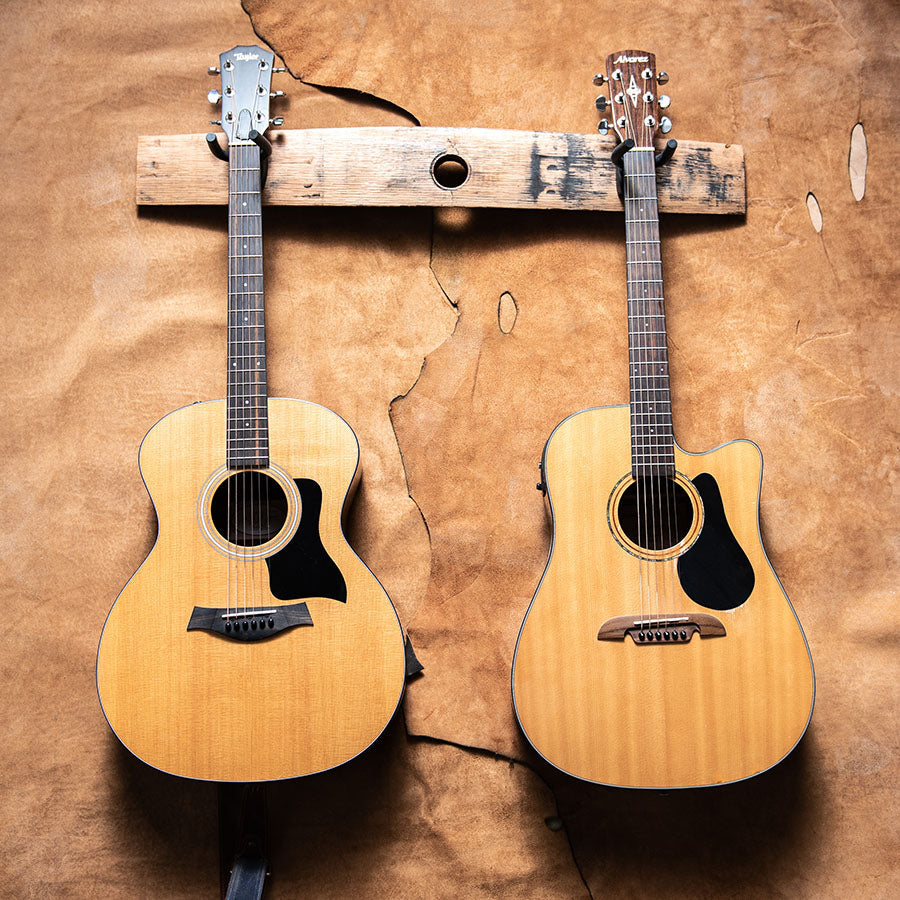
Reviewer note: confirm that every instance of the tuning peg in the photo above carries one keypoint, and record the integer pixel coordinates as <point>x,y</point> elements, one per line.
<point>215,121</point>
<point>664,101</point>
<point>662,78</point>
<point>665,124</point>
<point>278,70</point>
<point>599,79</point>
<point>214,96</point>
<point>601,103</point>
<point>603,126</point>
<point>276,94</point>
<point>214,70</point>
<point>278,120</point>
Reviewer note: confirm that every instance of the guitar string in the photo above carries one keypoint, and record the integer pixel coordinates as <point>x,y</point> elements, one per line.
<point>639,392</point>
<point>636,386</point>
<point>642,360</point>
<point>260,377</point>
<point>644,164</point>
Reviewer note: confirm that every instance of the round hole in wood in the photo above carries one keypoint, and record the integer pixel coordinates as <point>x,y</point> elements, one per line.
<point>449,171</point>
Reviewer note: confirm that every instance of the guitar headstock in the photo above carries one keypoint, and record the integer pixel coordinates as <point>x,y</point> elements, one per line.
<point>246,90</point>
<point>634,103</point>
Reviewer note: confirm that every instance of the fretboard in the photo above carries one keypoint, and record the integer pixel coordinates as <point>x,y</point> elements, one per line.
<point>652,440</point>
<point>248,425</point>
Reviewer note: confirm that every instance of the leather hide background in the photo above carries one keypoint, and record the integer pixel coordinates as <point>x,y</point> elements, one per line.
<point>453,344</point>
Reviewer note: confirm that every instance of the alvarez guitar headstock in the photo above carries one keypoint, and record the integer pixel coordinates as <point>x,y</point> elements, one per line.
<point>246,90</point>
<point>634,105</point>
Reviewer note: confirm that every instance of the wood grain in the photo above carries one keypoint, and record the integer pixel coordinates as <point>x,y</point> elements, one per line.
<point>711,711</point>
<point>201,706</point>
<point>393,167</point>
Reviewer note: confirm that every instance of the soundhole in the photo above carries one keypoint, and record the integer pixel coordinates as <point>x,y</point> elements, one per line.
<point>249,508</point>
<point>655,512</point>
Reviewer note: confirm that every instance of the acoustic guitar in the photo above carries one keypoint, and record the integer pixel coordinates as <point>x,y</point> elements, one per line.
<point>659,650</point>
<point>252,644</point>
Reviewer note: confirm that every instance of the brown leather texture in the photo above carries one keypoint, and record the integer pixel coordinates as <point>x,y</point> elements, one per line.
<point>453,343</point>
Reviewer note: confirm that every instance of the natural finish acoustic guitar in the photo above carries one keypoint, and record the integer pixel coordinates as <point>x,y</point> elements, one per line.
<point>660,650</point>
<point>252,644</point>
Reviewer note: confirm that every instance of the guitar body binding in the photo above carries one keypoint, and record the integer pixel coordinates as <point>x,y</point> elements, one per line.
<point>193,697</point>
<point>596,692</point>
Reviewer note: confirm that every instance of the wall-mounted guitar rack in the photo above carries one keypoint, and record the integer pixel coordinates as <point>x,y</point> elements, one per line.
<point>466,167</point>
<point>411,166</point>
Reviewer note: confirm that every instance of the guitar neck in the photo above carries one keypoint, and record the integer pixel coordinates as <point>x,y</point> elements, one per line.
<point>247,420</point>
<point>652,439</point>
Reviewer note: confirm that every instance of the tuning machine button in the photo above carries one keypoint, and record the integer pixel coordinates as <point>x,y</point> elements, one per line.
<point>213,70</point>
<point>278,120</point>
<point>599,79</point>
<point>278,70</point>
<point>603,126</point>
<point>276,94</point>
<point>215,121</point>
<point>601,103</point>
<point>664,101</point>
<point>214,96</point>
<point>662,78</point>
<point>665,124</point>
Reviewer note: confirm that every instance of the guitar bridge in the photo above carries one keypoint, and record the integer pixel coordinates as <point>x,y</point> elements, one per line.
<point>661,629</point>
<point>249,624</point>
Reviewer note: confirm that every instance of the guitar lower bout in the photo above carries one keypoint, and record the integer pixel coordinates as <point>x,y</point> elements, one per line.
<point>659,653</point>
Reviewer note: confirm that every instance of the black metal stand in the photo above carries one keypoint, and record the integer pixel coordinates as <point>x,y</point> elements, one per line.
<point>265,150</point>
<point>242,840</point>
<point>619,152</point>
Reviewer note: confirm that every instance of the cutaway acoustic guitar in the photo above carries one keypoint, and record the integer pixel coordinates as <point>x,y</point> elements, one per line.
<point>660,650</point>
<point>252,644</point>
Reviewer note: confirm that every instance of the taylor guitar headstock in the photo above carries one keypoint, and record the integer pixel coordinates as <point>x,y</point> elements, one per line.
<point>634,105</point>
<point>246,75</point>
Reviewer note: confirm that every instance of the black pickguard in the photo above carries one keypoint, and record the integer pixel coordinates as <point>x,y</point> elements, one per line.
<point>303,568</point>
<point>715,572</point>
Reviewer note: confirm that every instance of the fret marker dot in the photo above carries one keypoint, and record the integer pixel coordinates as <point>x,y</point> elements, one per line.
<point>245,203</point>
<point>246,403</point>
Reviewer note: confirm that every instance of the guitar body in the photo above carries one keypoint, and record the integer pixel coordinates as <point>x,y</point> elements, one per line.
<point>658,713</point>
<point>289,699</point>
